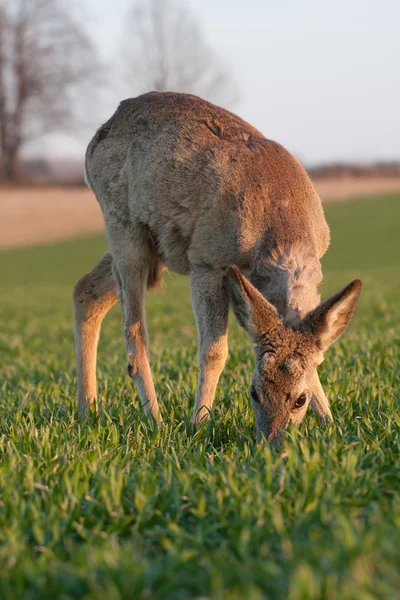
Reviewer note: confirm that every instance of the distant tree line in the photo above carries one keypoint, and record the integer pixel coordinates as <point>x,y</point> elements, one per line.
<point>345,169</point>
<point>49,64</point>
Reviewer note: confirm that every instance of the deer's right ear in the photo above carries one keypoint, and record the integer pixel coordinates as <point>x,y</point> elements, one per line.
<point>330,319</point>
<point>254,313</point>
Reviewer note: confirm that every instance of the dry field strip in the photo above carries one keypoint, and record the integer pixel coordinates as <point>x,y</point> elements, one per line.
<point>37,215</point>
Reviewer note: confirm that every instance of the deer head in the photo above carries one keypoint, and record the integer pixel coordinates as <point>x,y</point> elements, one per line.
<point>286,379</point>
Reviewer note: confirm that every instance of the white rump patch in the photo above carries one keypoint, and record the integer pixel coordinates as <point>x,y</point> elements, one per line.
<point>86,177</point>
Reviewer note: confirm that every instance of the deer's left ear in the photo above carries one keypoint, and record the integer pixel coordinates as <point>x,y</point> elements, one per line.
<point>330,319</point>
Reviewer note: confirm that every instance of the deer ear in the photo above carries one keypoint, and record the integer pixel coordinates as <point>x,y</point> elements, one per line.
<point>330,319</point>
<point>254,313</point>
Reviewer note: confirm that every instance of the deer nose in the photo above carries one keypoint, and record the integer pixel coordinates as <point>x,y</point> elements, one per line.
<point>275,439</point>
<point>275,435</point>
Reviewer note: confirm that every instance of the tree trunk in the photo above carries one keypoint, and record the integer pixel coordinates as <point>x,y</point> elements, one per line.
<point>10,167</point>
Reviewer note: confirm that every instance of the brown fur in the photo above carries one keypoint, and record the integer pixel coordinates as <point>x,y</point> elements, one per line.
<point>190,186</point>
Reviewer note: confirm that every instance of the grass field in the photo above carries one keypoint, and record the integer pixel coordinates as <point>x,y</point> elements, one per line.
<point>120,509</point>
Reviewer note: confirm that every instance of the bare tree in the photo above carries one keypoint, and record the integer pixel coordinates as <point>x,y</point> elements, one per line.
<point>164,50</point>
<point>45,59</point>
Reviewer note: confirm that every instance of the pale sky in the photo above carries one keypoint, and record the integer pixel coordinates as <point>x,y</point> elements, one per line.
<point>322,77</point>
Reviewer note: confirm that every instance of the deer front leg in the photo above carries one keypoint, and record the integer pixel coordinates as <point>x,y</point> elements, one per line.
<point>210,301</point>
<point>319,401</point>
<point>93,297</point>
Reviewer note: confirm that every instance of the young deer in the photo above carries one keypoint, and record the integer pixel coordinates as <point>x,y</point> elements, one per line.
<point>187,185</point>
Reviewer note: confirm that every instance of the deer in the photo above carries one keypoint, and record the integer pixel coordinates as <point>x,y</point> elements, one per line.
<point>188,186</point>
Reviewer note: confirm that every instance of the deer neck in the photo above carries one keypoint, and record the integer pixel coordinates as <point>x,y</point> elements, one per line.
<point>288,277</point>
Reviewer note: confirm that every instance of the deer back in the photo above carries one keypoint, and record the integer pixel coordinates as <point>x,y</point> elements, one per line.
<point>211,189</point>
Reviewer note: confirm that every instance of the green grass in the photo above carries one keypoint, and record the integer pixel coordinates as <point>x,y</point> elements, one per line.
<point>120,509</point>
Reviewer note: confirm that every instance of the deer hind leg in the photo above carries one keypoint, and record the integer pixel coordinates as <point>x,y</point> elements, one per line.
<point>93,296</point>
<point>210,301</point>
<point>136,267</point>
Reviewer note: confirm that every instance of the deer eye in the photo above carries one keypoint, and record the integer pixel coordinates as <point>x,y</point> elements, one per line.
<point>254,395</point>
<point>301,400</point>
